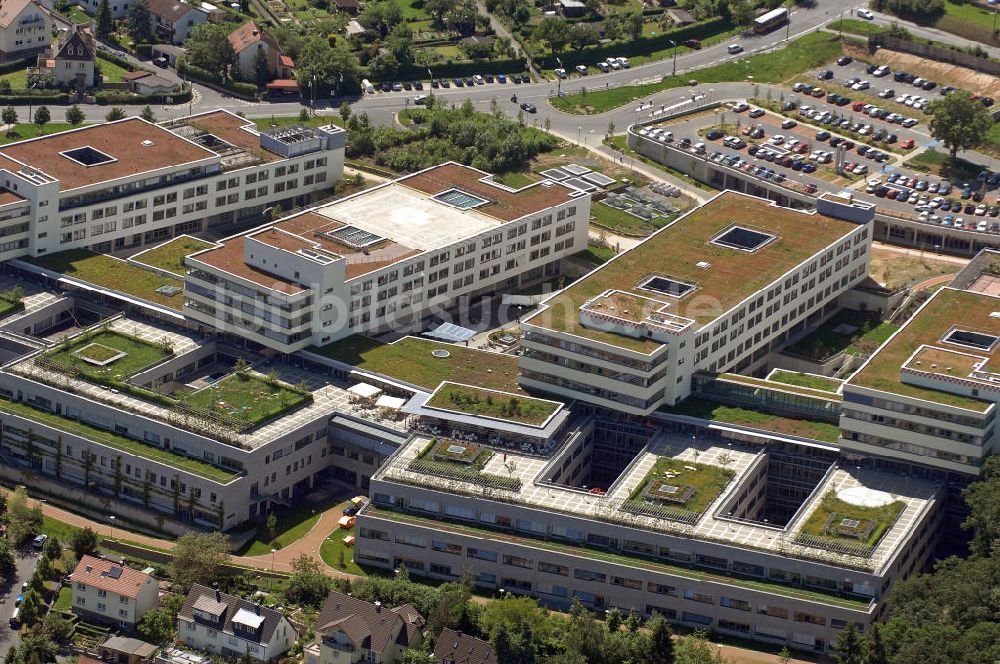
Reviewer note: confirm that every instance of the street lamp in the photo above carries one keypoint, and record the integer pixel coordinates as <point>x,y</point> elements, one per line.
<point>270,580</point>
<point>674,44</point>
<point>579,132</point>
<point>313,87</point>
<point>112,519</point>
<point>558,79</point>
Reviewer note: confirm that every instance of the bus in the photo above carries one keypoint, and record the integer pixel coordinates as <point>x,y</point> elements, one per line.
<point>770,20</point>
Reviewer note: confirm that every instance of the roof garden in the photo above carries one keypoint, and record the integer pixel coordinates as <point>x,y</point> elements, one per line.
<point>410,360</point>
<point>683,252</point>
<point>755,419</point>
<point>114,274</point>
<point>169,256</point>
<point>947,308</point>
<point>848,527</point>
<point>119,442</point>
<point>249,397</point>
<point>460,460</point>
<point>678,489</point>
<point>786,386</point>
<point>804,380</point>
<point>107,354</point>
<point>491,403</point>
<point>848,331</point>
<point>631,561</point>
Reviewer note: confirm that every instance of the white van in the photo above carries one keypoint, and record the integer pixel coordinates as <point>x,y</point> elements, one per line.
<point>734,49</point>
<point>367,86</point>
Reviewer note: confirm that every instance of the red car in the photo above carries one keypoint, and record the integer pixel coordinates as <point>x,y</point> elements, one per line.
<point>906,144</point>
<point>858,105</point>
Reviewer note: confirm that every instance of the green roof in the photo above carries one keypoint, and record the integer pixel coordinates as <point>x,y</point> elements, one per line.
<point>755,419</point>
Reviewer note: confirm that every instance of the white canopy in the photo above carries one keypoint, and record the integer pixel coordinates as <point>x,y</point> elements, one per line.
<point>394,403</point>
<point>364,390</point>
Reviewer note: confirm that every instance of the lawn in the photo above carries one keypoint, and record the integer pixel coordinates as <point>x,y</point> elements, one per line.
<point>410,360</point>
<point>895,270</point>
<point>620,221</point>
<point>110,71</point>
<point>77,15</point>
<point>965,19</point>
<point>170,255</point>
<point>292,525</point>
<point>248,397</point>
<point>833,521</point>
<point>596,255</point>
<point>111,273</point>
<point>805,53</point>
<point>333,551</point>
<point>24,130</point>
<point>467,399</point>
<point>855,26</point>
<point>868,334</point>
<point>712,411</point>
<point>810,381</point>
<point>693,485</point>
<point>465,465</point>
<point>64,601</point>
<point>413,10</point>
<point>99,347</point>
<point>18,79</point>
<point>940,164</point>
<point>119,442</point>
<point>516,179</point>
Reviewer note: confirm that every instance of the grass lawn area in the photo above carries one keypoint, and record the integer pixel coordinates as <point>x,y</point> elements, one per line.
<point>293,524</point>
<point>856,26</point>
<point>110,71</point>
<point>61,531</point>
<point>516,179</point>
<point>895,270</point>
<point>410,360</point>
<point>710,410</point>
<point>467,399</point>
<point>619,143</point>
<point>811,381</point>
<point>18,79</point>
<point>113,274</point>
<point>620,221</point>
<point>77,15</point>
<point>970,20</point>
<point>869,333</point>
<point>827,522</point>
<point>249,397</point>
<point>629,561</point>
<point>413,10</point>
<point>596,255</point>
<point>64,601</point>
<point>333,550</point>
<point>807,52</point>
<point>25,130</point>
<point>940,164</point>
<point>170,255</point>
<point>119,442</point>
<point>102,346</point>
<point>706,482</point>
<point>448,52</point>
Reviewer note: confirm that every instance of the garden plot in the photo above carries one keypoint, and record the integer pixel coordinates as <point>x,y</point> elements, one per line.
<point>642,203</point>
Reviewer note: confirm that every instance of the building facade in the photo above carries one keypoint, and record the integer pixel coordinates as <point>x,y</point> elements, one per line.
<point>107,592</point>
<point>25,28</point>
<point>232,627</point>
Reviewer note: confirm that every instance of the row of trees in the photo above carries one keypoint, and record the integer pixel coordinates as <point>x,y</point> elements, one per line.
<point>138,22</point>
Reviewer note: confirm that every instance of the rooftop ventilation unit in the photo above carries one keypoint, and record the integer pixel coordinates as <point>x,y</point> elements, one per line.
<point>704,265</point>
<point>148,143</point>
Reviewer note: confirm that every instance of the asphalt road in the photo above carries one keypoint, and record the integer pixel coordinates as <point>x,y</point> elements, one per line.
<point>26,563</point>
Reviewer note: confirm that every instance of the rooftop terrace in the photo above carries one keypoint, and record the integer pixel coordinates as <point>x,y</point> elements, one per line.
<point>947,309</point>
<point>724,265</point>
<point>129,147</point>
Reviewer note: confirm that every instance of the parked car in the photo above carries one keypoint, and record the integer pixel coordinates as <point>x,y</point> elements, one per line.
<point>734,49</point>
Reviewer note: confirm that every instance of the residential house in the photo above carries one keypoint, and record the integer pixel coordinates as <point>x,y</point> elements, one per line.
<point>233,627</point>
<point>143,82</point>
<point>247,40</point>
<point>104,591</point>
<point>25,28</point>
<point>350,630</point>
<point>457,648</point>
<point>572,8</point>
<point>126,650</point>
<point>74,59</point>
<point>175,19</point>
<point>352,7</point>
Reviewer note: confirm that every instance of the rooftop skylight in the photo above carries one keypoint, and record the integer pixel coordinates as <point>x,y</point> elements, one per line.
<point>743,239</point>
<point>88,156</point>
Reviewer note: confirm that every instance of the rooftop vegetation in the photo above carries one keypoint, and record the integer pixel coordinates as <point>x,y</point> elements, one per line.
<point>170,255</point>
<point>710,410</point>
<point>467,399</point>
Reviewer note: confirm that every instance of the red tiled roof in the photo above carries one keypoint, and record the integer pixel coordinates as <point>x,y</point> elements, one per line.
<point>246,35</point>
<point>283,84</point>
<point>136,75</point>
<point>10,10</point>
<point>286,61</point>
<point>101,574</point>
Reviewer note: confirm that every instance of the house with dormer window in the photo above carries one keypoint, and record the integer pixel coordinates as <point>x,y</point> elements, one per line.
<point>350,630</point>
<point>232,627</point>
<point>71,63</point>
<point>107,592</point>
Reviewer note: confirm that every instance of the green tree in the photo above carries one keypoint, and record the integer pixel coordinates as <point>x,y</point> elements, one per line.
<point>400,44</point>
<point>7,560</point>
<point>116,113</point>
<point>582,35</point>
<point>384,66</point>
<point>52,549</point>
<point>741,12</point>
<point>56,628</point>
<point>552,32</point>
<point>74,115</point>
<point>36,647</point>
<point>330,67</point>
<point>84,542</point>
<point>418,656</point>
<point>159,625</point>
<point>453,607</point>
<point>849,645</point>
<point>140,22</point>
<point>42,117</point>
<point>381,15</point>
<point>9,117</point>
<point>103,20</point>
<point>697,649</point>
<point>261,69</point>
<point>983,498</point>
<point>209,47</point>
<point>147,114</point>
<point>661,640</point>
<point>438,9</point>
<point>198,558</point>
<point>958,121</point>
<point>874,650</point>
<point>23,521</point>
<point>308,584</point>
<point>345,112</point>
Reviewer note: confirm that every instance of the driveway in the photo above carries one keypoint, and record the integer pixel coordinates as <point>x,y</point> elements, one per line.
<point>26,563</point>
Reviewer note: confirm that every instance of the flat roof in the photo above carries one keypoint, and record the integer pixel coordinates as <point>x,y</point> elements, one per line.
<point>233,130</point>
<point>947,309</point>
<point>689,251</point>
<point>502,204</point>
<point>134,145</point>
